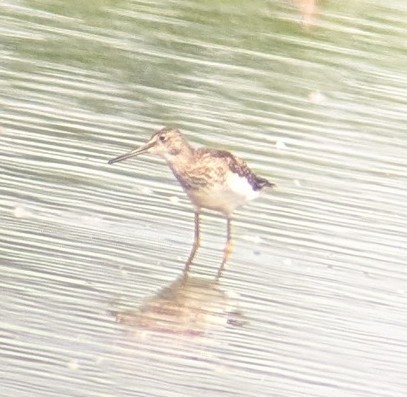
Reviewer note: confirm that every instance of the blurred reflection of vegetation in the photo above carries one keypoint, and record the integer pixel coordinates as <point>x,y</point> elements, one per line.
<point>166,56</point>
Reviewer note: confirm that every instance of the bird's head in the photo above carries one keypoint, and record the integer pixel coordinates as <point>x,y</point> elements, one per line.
<point>167,143</point>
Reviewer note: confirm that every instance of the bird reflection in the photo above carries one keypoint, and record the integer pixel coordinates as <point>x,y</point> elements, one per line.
<point>190,306</point>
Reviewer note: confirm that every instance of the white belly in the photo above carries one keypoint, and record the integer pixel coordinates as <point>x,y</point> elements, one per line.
<point>224,197</point>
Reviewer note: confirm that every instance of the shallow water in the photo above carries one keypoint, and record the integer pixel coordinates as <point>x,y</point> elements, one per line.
<point>313,302</point>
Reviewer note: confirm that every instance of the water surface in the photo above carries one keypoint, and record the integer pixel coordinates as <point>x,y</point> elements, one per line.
<point>313,302</point>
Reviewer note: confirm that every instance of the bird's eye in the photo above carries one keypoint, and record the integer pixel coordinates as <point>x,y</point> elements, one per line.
<point>162,138</point>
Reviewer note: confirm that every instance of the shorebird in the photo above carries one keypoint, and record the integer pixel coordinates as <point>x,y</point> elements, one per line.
<point>212,179</point>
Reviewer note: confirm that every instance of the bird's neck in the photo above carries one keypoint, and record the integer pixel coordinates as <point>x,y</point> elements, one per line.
<point>181,163</point>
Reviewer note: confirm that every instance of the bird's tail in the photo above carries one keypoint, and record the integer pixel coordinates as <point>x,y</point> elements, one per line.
<point>262,183</point>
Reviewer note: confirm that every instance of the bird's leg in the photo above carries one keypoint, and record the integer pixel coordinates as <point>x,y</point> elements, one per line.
<point>228,246</point>
<point>196,244</point>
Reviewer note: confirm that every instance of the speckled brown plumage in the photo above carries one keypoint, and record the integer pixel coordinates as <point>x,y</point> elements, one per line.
<point>239,167</point>
<point>213,179</point>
